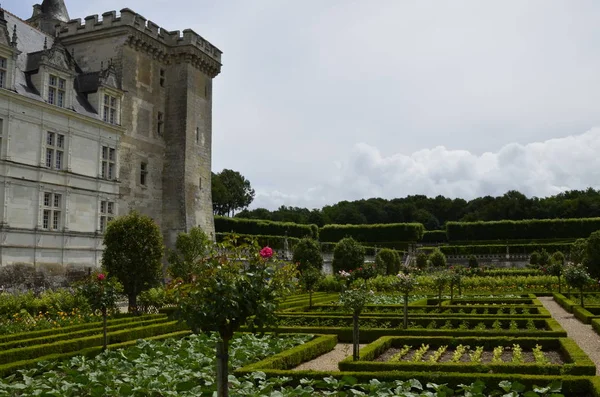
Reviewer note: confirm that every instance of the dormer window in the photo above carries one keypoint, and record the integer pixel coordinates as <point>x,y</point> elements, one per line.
<point>3,72</point>
<point>56,90</point>
<point>109,110</point>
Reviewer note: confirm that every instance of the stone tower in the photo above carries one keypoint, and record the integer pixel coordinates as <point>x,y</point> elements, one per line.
<point>165,79</point>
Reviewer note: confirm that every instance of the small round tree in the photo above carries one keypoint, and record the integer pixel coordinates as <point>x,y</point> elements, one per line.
<point>544,259</point>
<point>190,249</point>
<point>556,267</point>
<point>354,301</point>
<point>389,260</point>
<point>133,254</point>
<point>405,284</point>
<point>309,278</point>
<point>421,260</point>
<point>437,258</point>
<point>473,263</point>
<point>578,251</point>
<point>348,255</point>
<point>102,294</point>
<point>238,285</point>
<point>577,277</point>
<point>440,281</point>
<point>592,254</point>
<point>456,276</point>
<point>307,253</point>
<point>534,258</point>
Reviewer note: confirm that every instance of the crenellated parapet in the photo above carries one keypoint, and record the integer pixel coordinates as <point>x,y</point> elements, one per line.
<point>148,36</point>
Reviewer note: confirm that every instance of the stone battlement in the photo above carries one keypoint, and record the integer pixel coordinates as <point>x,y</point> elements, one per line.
<point>128,17</point>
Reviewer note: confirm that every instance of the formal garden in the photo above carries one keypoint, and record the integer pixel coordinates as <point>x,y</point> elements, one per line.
<point>239,318</point>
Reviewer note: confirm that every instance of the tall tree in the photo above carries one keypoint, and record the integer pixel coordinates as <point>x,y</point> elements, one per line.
<point>230,192</point>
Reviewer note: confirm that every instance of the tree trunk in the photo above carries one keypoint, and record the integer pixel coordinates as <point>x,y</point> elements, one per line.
<point>405,311</point>
<point>105,337</point>
<point>132,303</point>
<point>222,368</point>
<point>355,337</point>
<point>581,296</point>
<point>559,290</point>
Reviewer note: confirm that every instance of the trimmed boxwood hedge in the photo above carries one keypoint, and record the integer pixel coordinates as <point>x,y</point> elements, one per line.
<point>525,229</point>
<point>295,356</point>
<point>225,224</point>
<point>500,249</point>
<point>275,242</point>
<point>434,236</point>
<point>577,362</point>
<point>65,346</point>
<point>373,233</point>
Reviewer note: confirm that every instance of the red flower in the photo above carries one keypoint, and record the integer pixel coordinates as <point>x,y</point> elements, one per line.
<point>101,277</point>
<point>266,252</point>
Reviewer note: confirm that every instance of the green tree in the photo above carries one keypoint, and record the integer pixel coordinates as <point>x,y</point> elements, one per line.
<point>473,263</point>
<point>348,254</point>
<point>421,260</point>
<point>389,260</point>
<point>534,258</point>
<point>437,258</point>
<point>354,300</point>
<point>405,283</point>
<point>593,254</point>
<point>239,288</point>
<point>440,281</point>
<point>133,254</point>
<point>310,277</point>
<point>577,277</point>
<point>544,259</point>
<point>579,251</point>
<point>230,192</point>
<point>307,253</point>
<point>556,267</point>
<point>190,249</point>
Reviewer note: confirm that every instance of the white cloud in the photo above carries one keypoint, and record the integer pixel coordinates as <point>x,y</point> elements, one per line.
<point>536,169</point>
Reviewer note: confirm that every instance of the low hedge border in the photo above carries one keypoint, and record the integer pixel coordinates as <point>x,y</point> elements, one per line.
<point>295,356</point>
<point>497,301</point>
<point>72,328</point>
<point>76,334</point>
<point>572,385</point>
<point>65,346</point>
<point>596,325</point>
<point>8,369</point>
<point>584,314</point>
<point>368,335</point>
<point>577,362</point>
<point>564,302</point>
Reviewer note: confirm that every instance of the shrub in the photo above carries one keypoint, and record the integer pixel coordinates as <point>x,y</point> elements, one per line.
<point>348,255</point>
<point>593,254</point>
<point>578,251</point>
<point>473,264</point>
<point>329,283</point>
<point>190,248</point>
<point>534,258</point>
<point>389,260</point>
<point>308,254</point>
<point>421,260</point>
<point>437,258</point>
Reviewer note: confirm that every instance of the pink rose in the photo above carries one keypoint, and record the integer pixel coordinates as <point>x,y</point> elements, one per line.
<point>266,252</point>
<point>101,277</point>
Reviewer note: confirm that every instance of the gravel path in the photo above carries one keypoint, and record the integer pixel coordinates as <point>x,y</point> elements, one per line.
<point>328,361</point>
<point>583,334</point>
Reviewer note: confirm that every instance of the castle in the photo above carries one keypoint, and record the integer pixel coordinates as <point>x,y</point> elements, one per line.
<point>98,118</point>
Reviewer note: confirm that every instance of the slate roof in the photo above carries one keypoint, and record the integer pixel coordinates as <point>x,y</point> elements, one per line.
<point>30,42</point>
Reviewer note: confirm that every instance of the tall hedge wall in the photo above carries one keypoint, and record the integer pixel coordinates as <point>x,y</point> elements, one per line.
<point>526,229</point>
<point>373,233</point>
<point>225,224</point>
<point>500,249</point>
<point>275,242</point>
<point>434,236</point>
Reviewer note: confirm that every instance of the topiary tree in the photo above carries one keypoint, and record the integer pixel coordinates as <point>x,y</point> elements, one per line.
<point>534,258</point>
<point>578,251</point>
<point>354,300</point>
<point>347,255</point>
<point>577,277</point>
<point>544,259</point>
<point>405,284</point>
<point>190,249</point>
<point>309,278</point>
<point>440,281</point>
<point>456,276</point>
<point>592,254</point>
<point>473,263</point>
<point>236,288</point>
<point>389,260</point>
<point>102,294</point>
<point>421,260</point>
<point>133,254</point>
<point>556,267</point>
<point>437,258</point>
<point>307,253</point>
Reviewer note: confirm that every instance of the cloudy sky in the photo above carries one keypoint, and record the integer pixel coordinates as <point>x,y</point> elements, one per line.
<point>320,101</point>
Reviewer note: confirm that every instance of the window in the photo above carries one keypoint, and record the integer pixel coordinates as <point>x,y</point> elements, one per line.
<point>109,159</point>
<point>109,113</point>
<point>3,72</point>
<point>107,213</point>
<point>160,123</point>
<point>162,77</point>
<point>55,147</point>
<point>52,211</point>
<point>56,90</point>
<point>143,173</point>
